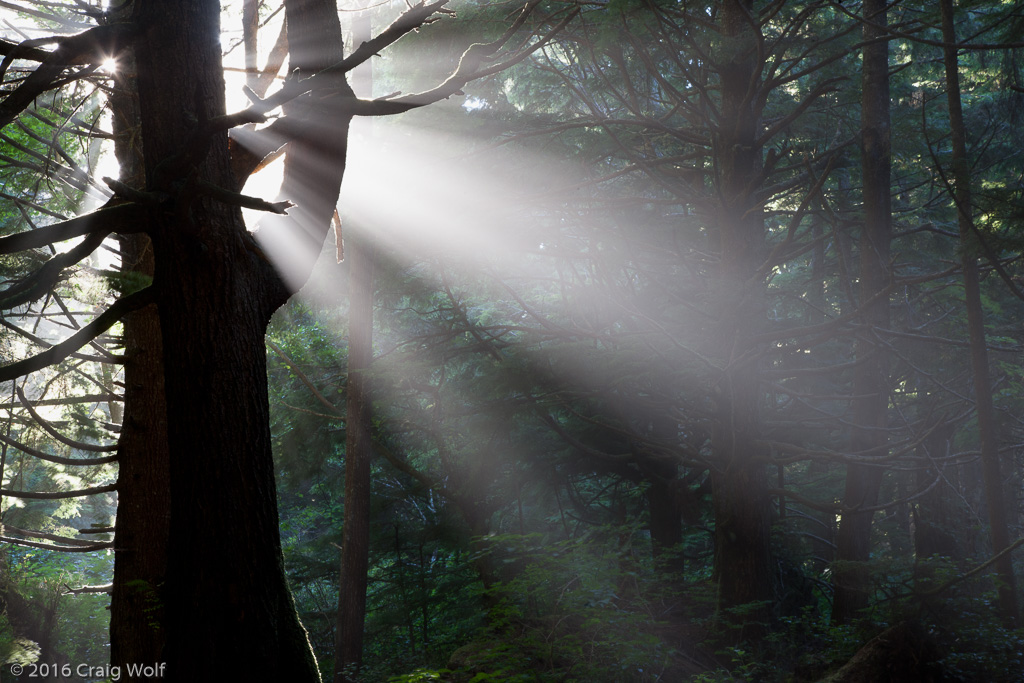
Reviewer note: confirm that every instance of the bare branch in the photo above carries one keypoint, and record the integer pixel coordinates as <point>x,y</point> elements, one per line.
<point>58,495</point>
<point>245,201</point>
<point>120,218</point>
<point>89,47</point>
<point>46,345</point>
<point>4,528</point>
<point>410,20</point>
<point>59,352</point>
<point>56,458</point>
<point>70,400</point>
<point>467,70</point>
<point>108,588</point>
<point>59,548</point>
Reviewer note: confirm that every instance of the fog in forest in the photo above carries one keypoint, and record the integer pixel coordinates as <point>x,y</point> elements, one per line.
<point>487,341</point>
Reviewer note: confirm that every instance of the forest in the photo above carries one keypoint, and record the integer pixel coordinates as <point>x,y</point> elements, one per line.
<point>532,341</point>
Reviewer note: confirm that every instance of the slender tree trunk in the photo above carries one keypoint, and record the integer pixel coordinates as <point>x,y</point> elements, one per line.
<point>742,506</point>
<point>355,547</point>
<point>870,385</point>
<point>985,409</point>
<point>356,530</point>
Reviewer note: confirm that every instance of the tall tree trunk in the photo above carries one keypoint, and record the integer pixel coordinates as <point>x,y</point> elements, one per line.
<point>356,529</point>
<point>143,503</point>
<point>742,507</point>
<point>355,545</point>
<point>228,612</point>
<point>985,409</point>
<point>870,385</point>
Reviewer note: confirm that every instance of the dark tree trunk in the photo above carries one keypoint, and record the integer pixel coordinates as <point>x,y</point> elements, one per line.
<point>660,470</point>
<point>355,545</point>
<point>356,530</point>
<point>666,517</point>
<point>143,503</point>
<point>987,429</point>
<point>742,506</point>
<point>870,385</point>
<point>228,612</point>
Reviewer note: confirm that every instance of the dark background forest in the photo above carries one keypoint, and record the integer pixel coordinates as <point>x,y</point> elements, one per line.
<point>647,340</point>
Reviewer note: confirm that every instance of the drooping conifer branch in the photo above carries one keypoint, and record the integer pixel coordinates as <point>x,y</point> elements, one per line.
<point>59,352</point>
<point>60,548</point>
<point>4,528</point>
<point>52,431</point>
<point>56,459</point>
<point>58,495</point>
<point>42,280</point>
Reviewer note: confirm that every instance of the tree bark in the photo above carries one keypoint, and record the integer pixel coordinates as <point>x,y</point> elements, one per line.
<point>870,385</point>
<point>742,507</point>
<point>355,546</point>
<point>143,502</point>
<point>985,410</point>
<point>228,611</point>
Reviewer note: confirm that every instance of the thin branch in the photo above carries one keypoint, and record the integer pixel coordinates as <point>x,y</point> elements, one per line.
<point>305,380</point>
<point>59,548</point>
<point>47,345</point>
<point>59,352</point>
<point>58,495</point>
<point>980,568</point>
<point>95,448</point>
<point>56,459</point>
<point>46,276</point>
<point>48,537</point>
<point>108,588</point>
<point>89,47</point>
<point>70,400</point>
<point>467,70</point>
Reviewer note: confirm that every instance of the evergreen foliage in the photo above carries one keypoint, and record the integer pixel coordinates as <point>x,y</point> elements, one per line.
<point>600,389</point>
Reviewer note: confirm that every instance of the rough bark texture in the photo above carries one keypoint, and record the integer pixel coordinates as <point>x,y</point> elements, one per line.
<point>987,426</point>
<point>870,386</point>
<point>742,507</point>
<point>143,503</point>
<point>228,612</point>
